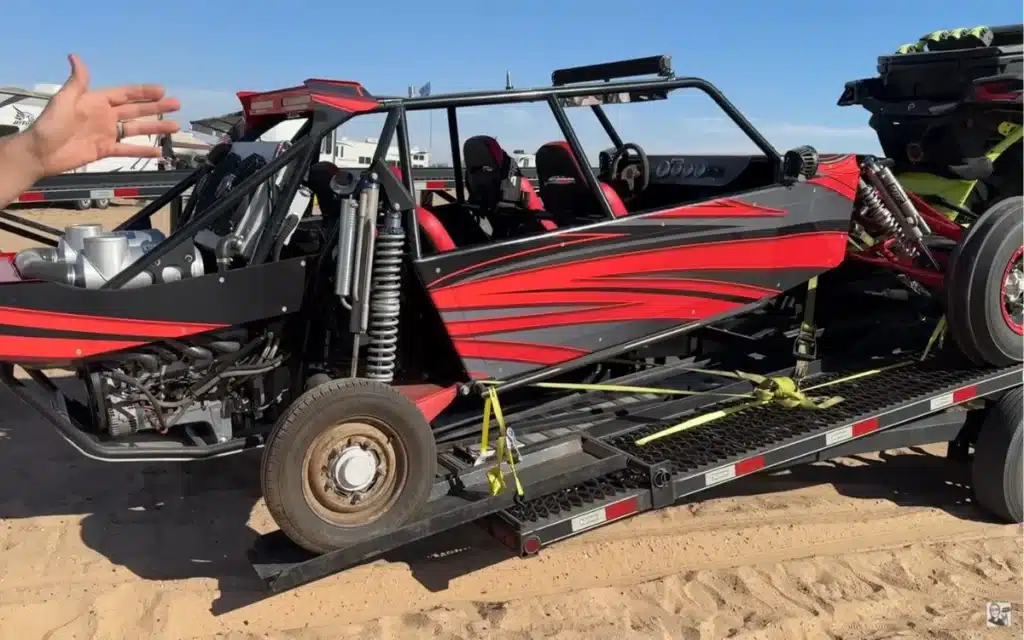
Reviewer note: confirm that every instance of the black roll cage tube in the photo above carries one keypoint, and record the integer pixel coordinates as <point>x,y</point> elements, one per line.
<point>551,95</point>
<point>306,145</point>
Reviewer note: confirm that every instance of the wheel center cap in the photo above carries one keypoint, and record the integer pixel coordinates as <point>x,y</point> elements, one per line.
<point>1014,285</point>
<point>354,469</point>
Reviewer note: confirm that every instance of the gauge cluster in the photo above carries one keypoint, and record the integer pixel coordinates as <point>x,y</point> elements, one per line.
<point>697,170</point>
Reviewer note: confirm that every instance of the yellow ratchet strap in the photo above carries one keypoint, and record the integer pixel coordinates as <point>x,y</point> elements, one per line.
<point>778,390</point>
<point>805,348</point>
<point>496,476</point>
<point>937,339</point>
<point>768,390</point>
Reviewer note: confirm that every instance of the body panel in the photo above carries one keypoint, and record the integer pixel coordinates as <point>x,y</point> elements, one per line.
<point>46,322</point>
<point>514,307</point>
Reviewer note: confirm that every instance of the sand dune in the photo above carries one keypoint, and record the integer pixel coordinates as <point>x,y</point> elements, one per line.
<point>878,547</point>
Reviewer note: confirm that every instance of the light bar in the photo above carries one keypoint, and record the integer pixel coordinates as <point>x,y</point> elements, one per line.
<point>653,65</point>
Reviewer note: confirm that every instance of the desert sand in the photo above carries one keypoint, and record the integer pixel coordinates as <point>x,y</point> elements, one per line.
<point>885,546</point>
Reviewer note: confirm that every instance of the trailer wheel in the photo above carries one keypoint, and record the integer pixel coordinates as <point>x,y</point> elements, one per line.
<point>82,204</point>
<point>985,287</point>
<point>101,203</point>
<point>350,459</point>
<point>998,471</point>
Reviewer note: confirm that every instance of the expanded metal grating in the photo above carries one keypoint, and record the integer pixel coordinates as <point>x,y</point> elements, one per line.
<point>581,495</point>
<point>753,429</point>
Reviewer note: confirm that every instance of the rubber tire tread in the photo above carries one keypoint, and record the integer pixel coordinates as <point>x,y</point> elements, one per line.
<point>964,345</point>
<point>998,469</point>
<point>285,500</point>
<point>972,273</point>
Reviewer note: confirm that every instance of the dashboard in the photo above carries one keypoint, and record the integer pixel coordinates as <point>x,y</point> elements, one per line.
<point>698,170</point>
<point>695,170</point>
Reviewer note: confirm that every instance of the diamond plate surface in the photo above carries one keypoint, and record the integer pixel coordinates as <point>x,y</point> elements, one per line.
<point>573,498</point>
<point>747,431</point>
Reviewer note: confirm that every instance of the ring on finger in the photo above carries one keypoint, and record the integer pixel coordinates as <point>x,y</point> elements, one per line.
<point>120,130</point>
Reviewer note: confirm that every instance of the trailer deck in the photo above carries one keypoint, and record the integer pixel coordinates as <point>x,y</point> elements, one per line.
<point>581,468</point>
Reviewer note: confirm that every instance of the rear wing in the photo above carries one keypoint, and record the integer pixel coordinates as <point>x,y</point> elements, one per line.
<point>301,101</point>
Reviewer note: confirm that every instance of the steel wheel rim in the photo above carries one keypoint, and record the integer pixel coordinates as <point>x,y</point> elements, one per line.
<point>1011,292</point>
<point>335,503</point>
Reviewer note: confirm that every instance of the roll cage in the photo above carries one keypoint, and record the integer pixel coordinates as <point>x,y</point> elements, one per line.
<point>327,105</point>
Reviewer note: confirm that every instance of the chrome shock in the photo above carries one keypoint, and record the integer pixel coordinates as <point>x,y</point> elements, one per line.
<point>880,216</point>
<point>385,299</point>
<point>897,203</point>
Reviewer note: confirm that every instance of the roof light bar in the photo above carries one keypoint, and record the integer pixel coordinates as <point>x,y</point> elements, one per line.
<point>653,65</point>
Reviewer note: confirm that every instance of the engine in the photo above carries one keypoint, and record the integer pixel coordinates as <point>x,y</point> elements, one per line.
<point>86,256</point>
<point>207,385</point>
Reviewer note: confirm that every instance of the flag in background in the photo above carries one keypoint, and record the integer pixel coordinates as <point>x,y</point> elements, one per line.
<point>424,90</point>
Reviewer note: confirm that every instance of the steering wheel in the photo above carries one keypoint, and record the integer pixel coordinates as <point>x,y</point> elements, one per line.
<point>635,177</point>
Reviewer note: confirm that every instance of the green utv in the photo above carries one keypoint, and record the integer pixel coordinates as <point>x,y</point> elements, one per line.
<point>947,111</point>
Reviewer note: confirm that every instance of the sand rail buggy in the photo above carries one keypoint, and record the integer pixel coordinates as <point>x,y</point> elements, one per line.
<point>351,344</point>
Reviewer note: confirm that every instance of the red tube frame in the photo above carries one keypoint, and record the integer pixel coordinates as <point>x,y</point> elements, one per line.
<point>883,256</point>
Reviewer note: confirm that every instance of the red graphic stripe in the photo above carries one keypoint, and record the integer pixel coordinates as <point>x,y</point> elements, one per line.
<point>560,243</point>
<point>840,176</point>
<point>31,349</point>
<point>53,320</point>
<point>541,354</point>
<point>667,281</point>
<point>822,250</point>
<point>724,208</point>
<point>630,307</point>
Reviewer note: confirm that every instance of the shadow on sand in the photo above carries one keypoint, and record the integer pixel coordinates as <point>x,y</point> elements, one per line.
<point>177,521</point>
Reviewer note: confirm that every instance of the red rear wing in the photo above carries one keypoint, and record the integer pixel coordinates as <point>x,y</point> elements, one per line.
<point>296,102</point>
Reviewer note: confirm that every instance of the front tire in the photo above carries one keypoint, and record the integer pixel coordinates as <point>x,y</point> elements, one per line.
<point>984,287</point>
<point>349,460</point>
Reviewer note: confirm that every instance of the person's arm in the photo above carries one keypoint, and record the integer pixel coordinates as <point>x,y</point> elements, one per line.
<point>19,168</point>
<point>79,126</point>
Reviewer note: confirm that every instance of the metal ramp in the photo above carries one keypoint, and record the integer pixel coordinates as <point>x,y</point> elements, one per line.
<point>596,475</point>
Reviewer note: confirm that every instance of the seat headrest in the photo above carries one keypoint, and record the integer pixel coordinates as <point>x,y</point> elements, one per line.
<point>483,152</point>
<point>556,160</point>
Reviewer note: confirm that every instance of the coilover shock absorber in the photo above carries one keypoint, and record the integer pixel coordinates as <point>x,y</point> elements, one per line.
<point>875,211</point>
<point>385,298</point>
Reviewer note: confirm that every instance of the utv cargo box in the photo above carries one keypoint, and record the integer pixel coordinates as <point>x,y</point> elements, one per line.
<point>942,67</point>
<point>949,105</point>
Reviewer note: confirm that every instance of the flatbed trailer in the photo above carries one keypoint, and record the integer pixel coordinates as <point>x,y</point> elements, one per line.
<point>580,466</point>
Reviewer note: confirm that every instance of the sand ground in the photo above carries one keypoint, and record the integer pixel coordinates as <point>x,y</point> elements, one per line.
<point>884,546</point>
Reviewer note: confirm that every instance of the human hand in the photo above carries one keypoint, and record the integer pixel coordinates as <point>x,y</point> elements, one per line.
<point>79,126</point>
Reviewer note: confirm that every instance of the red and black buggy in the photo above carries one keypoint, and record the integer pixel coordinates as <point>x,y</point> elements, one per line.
<point>359,341</point>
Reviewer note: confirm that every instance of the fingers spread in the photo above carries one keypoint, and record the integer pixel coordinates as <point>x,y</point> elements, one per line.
<point>132,151</point>
<point>150,127</point>
<point>143,109</point>
<point>117,96</point>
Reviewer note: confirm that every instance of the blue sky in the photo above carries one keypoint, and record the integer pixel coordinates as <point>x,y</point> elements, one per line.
<point>783,67</point>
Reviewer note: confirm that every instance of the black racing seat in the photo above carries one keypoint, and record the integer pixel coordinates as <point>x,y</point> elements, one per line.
<point>564,189</point>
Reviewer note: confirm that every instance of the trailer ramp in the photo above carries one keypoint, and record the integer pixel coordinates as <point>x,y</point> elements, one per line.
<point>599,475</point>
